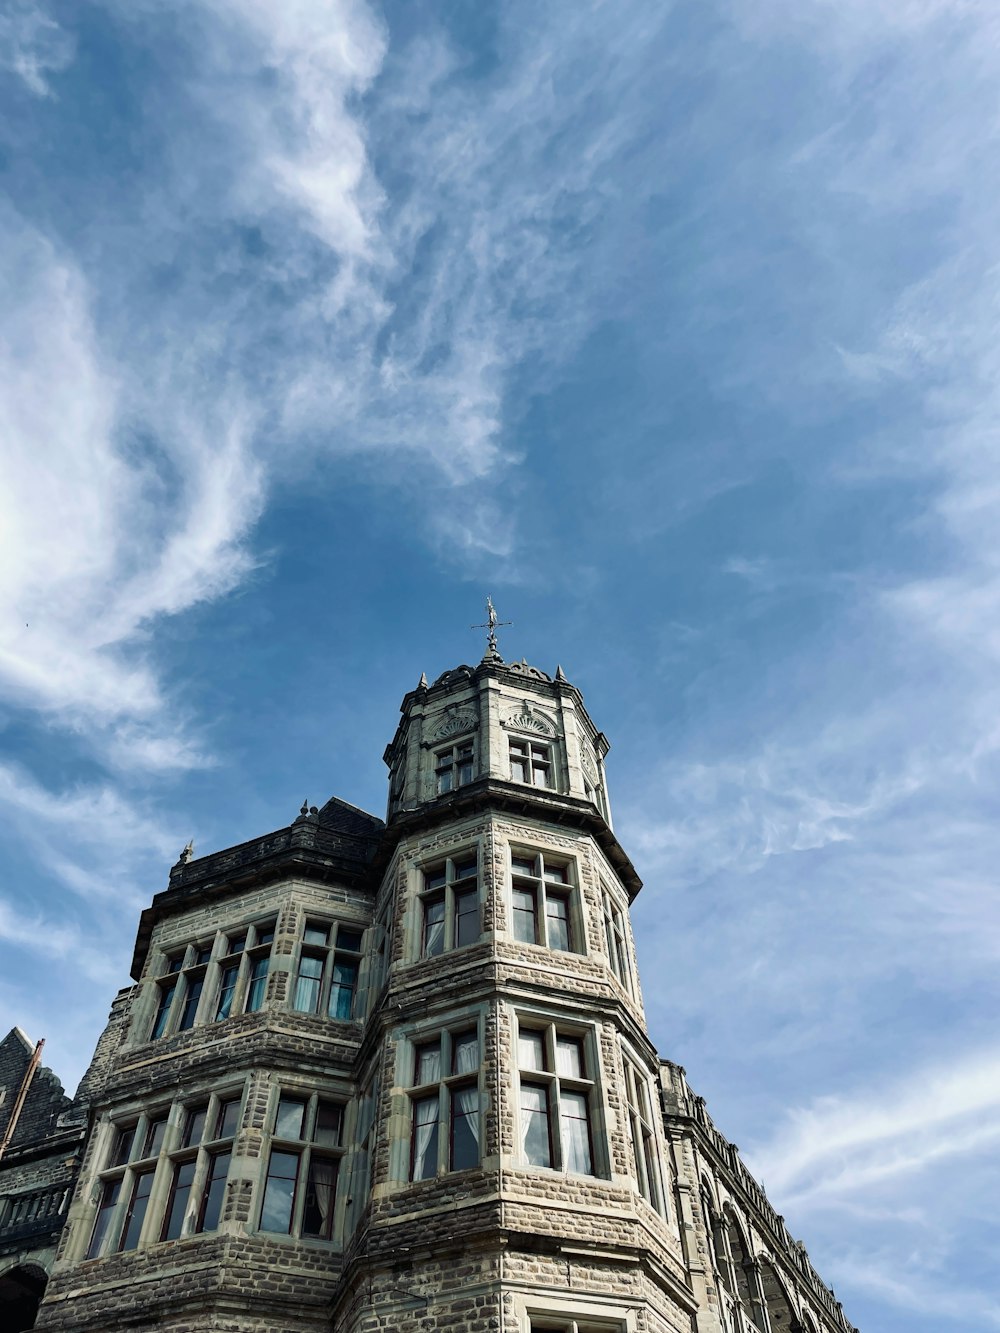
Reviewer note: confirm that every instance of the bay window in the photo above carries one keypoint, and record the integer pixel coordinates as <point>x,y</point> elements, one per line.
<point>449,905</point>
<point>327,976</point>
<point>531,762</point>
<point>542,901</point>
<point>643,1135</point>
<point>555,1098</point>
<point>192,1147</point>
<point>445,1104</point>
<point>300,1188</point>
<point>453,767</point>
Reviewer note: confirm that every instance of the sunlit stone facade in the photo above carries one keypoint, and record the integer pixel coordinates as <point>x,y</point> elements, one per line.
<point>397,1076</point>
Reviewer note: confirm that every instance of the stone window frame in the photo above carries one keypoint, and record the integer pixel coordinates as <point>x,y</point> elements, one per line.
<point>445,1088</point>
<point>569,1314</point>
<point>151,1144</point>
<point>641,1107</point>
<point>333,952</point>
<point>307,1150</point>
<point>552,1029</point>
<point>542,887</point>
<point>536,757</point>
<point>441,881</point>
<point>205,965</point>
<point>617,938</point>
<point>364,1140</point>
<point>454,764</point>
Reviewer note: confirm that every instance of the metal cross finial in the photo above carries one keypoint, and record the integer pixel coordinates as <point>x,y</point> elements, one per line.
<point>491,623</point>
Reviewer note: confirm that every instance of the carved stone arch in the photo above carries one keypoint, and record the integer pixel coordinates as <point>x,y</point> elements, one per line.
<point>21,1290</point>
<point>526,717</point>
<point>780,1306</point>
<point>742,1257</point>
<point>455,722</point>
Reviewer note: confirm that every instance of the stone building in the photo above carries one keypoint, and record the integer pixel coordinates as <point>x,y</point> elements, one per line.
<point>396,1076</point>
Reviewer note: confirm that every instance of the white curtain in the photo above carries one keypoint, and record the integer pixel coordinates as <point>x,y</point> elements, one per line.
<point>575,1133</point>
<point>425,1123</point>
<point>468,1107</point>
<point>324,1175</point>
<point>466,1054</point>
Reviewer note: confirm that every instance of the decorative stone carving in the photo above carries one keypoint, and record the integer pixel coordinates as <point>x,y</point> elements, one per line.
<point>527,718</point>
<point>454,723</point>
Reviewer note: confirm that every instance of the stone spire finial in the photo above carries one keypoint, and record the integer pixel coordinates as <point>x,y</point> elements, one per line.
<point>187,853</point>
<point>305,807</point>
<point>422,682</point>
<point>561,675</point>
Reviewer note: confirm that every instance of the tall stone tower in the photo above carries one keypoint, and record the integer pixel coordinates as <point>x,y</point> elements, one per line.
<point>397,1076</point>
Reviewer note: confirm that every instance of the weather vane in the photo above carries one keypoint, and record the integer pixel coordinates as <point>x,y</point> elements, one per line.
<point>491,622</point>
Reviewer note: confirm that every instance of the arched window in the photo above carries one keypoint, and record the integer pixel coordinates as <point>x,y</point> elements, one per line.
<point>740,1252</point>
<point>21,1292</point>
<point>779,1307</point>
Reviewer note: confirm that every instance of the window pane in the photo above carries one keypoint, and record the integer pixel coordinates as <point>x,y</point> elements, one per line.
<point>227,987</point>
<point>155,1131</point>
<point>569,1057</point>
<point>202,955</point>
<point>444,780</point>
<point>465,772</point>
<point>557,921</point>
<point>523,865</point>
<point>466,918</point>
<point>424,1139</point>
<point>427,1064</point>
<point>194,989</point>
<point>289,1118</point>
<point>321,1191</point>
<point>518,770</point>
<point>307,985</point>
<point>556,874</point>
<point>329,1124</point>
<point>466,870</point>
<point>435,879</point>
<point>121,1150</point>
<point>464,1128</point>
<point>433,927</point>
<point>236,944</point>
<point>180,1195</point>
<point>194,1126</point>
<point>315,934</point>
<point>227,1119</point>
<point>163,1010</point>
<point>525,928</point>
<point>464,1053</point>
<point>531,1049</point>
<point>535,1124</point>
<point>176,963</point>
<point>136,1211</point>
<point>575,1132</point>
<point>109,1198</point>
<point>265,934</point>
<point>215,1188</point>
<point>279,1192</point>
<point>258,982</point>
<point>349,939</point>
<point>345,979</point>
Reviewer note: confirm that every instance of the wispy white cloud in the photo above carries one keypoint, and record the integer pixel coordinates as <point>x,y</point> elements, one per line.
<point>841,1146</point>
<point>33,45</point>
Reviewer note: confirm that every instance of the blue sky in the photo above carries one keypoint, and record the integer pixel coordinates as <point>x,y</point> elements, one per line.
<point>673,326</point>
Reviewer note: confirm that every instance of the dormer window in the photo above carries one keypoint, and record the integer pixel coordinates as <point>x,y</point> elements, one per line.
<point>531,762</point>
<point>453,767</point>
